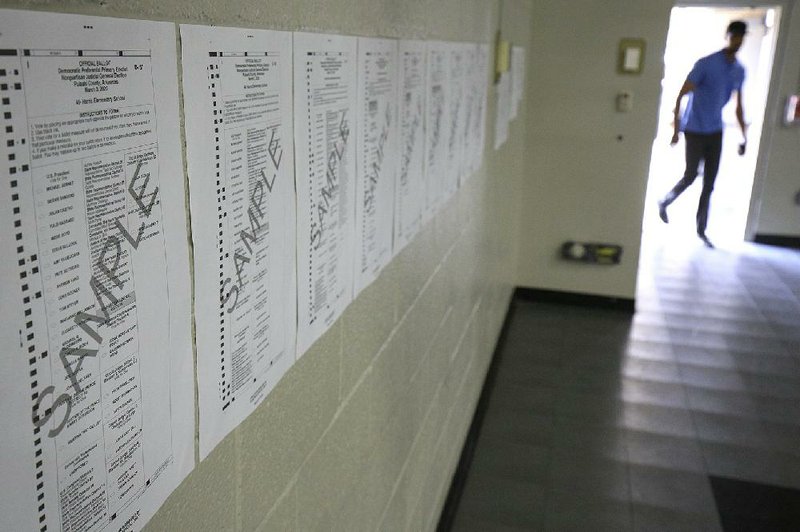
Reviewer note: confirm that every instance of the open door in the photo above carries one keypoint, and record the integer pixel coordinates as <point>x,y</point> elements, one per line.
<point>693,33</point>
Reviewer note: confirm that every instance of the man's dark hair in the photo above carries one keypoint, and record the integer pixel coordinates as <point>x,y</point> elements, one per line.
<point>737,27</point>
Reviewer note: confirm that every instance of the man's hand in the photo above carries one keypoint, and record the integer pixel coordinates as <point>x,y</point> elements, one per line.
<point>687,87</point>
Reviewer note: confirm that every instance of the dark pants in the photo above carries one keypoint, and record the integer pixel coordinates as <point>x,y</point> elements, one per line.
<point>699,146</point>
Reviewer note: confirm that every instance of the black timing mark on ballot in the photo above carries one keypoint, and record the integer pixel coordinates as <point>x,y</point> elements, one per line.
<point>72,356</point>
<point>437,98</point>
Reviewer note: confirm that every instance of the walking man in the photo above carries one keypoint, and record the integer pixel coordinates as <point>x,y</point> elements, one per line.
<point>709,85</point>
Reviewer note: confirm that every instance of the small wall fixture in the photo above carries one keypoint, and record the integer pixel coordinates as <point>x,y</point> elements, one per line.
<point>792,115</point>
<point>592,252</point>
<point>631,56</point>
<point>502,59</point>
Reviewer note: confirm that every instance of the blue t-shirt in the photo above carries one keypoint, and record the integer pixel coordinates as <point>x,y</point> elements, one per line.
<point>714,79</point>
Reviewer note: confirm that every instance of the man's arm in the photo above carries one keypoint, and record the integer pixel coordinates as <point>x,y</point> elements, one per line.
<point>740,119</point>
<point>688,87</point>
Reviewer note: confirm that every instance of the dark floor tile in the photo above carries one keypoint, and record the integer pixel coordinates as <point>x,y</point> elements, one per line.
<point>778,410</point>
<point>576,512</point>
<point>606,381</point>
<point>515,427</point>
<point>763,363</point>
<point>466,522</point>
<point>792,346</point>
<point>752,506</point>
<point>513,461</point>
<point>722,402</point>
<point>786,305</point>
<point>529,348</point>
<point>667,452</point>
<point>580,438</point>
<point>593,356</point>
<point>589,407</point>
<point>647,518</point>
<point>504,501</point>
<point>529,373</point>
<point>602,347</point>
<point>772,386</point>
<point>755,345</point>
<point>782,437</point>
<point>589,475</point>
<point>786,331</point>
<point>731,430</point>
<point>532,399</point>
<point>752,464</point>
<point>778,318</point>
<point>671,489</point>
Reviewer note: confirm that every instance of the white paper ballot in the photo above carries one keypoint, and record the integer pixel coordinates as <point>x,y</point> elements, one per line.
<point>503,110</point>
<point>410,184</point>
<point>469,121</point>
<point>455,119</point>
<point>476,130</point>
<point>517,78</point>
<point>437,114</point>
<point>95,349</point>
<point>484,79</point>
<point>376,152</point>
<point>324,117</point>
<point>239,147</point>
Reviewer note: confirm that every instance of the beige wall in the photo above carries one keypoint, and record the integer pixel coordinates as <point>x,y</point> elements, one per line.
<point>581,182</point>
<point>779,180</point>
<point>365,430</point>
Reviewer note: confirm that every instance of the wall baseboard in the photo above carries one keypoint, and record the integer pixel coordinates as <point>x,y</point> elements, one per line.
<point>784,241</point>
<point>575,298</point>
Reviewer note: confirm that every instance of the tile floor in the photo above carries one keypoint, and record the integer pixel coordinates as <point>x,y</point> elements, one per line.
<point>602,420</point>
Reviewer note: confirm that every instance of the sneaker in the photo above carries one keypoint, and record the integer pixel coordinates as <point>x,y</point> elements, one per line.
<point>662,212</point>
<point>705,240</point>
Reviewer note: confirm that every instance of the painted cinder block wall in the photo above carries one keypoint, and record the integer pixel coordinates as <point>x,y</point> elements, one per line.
<point>364,432</point>
<point>587,166</point>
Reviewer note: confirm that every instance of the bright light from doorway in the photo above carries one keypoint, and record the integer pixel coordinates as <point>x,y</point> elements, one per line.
<point>693,33</point>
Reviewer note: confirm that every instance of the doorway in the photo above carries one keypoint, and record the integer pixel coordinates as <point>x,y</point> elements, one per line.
<point>693,33</point>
